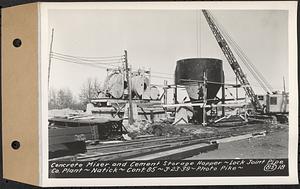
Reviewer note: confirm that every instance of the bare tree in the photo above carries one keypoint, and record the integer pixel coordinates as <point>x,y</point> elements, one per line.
<point>64,98</point>
<point>52,99</point>
<point>89,90</point>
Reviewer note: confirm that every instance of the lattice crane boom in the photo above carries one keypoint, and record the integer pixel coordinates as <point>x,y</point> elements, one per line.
<point>232,61</point>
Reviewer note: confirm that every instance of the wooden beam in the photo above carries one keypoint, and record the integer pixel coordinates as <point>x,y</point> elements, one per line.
<point>138,151</point>
<point>141,142</point>
<point>179,153</point>
<point>207,106</point>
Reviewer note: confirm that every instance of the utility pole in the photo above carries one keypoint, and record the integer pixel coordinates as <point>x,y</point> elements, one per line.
<point>50,57</point>
<point>165,92</point>
<point>223,99</point>
<point>283,85</point>
<point>128,72</point>
<point>223,93</point>
<point>204,98</point>
<point>175,95</point>
<point>285,97</point>
<point>236,89</point>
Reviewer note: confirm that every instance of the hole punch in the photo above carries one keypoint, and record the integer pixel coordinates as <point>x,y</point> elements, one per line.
<point>15,145</point>
<point>17,43</point>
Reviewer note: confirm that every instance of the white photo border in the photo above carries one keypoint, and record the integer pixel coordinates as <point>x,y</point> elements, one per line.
<point>291,7</point>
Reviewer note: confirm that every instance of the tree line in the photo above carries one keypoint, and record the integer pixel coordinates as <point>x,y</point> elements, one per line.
<point>64,98</point>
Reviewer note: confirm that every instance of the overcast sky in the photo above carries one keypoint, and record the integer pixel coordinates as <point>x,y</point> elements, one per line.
<point>158,38</point>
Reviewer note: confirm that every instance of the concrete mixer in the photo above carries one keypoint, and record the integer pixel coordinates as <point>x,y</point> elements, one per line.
<point>115,86</point>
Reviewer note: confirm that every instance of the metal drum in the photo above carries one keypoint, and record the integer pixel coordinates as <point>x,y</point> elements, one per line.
<point>139,84</point>
<point>114,85</point>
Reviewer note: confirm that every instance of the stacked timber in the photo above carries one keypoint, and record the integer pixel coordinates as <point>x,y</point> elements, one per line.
<point>177,147</point>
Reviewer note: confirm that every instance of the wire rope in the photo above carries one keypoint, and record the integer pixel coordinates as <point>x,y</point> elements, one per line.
<point>250,66</point>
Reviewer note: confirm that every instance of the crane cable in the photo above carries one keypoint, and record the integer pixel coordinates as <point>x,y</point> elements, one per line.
<point>230,93</point>
<point>230,40</point>
<point>211,16</point>
<point>247,61</point>
<point>250,66</point>
<point>252,71</point>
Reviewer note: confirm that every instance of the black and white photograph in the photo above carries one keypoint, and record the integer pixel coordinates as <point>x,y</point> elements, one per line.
<point>167,92</point>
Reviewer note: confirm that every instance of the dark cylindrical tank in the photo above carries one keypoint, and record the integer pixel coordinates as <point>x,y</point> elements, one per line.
<point>190,71</point>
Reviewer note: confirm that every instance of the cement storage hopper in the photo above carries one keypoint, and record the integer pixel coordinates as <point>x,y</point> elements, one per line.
<point>190,72</point>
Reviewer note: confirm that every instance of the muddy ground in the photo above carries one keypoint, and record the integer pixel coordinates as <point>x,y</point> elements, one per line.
<point>273,145</point>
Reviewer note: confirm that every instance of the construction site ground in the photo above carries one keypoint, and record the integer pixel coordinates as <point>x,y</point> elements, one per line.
<point>259,140</point>
<point>192,142</point>
<point>273,145</point>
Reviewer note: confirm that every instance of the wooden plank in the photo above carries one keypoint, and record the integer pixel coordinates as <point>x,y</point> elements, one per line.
<point>122,154</point>
<point>68,138</point>
<point>124,143</point>
<point>240,137</point>
<point>172,146</point>
<point>97,156</point>
<point>144,136</point>
<point>61,139</point>
<point>234,138</point>
<point>70,131</point>
<point>140,142</point>
<point>178,153</point>
<point>86,120</point>
<point>140,145</point>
